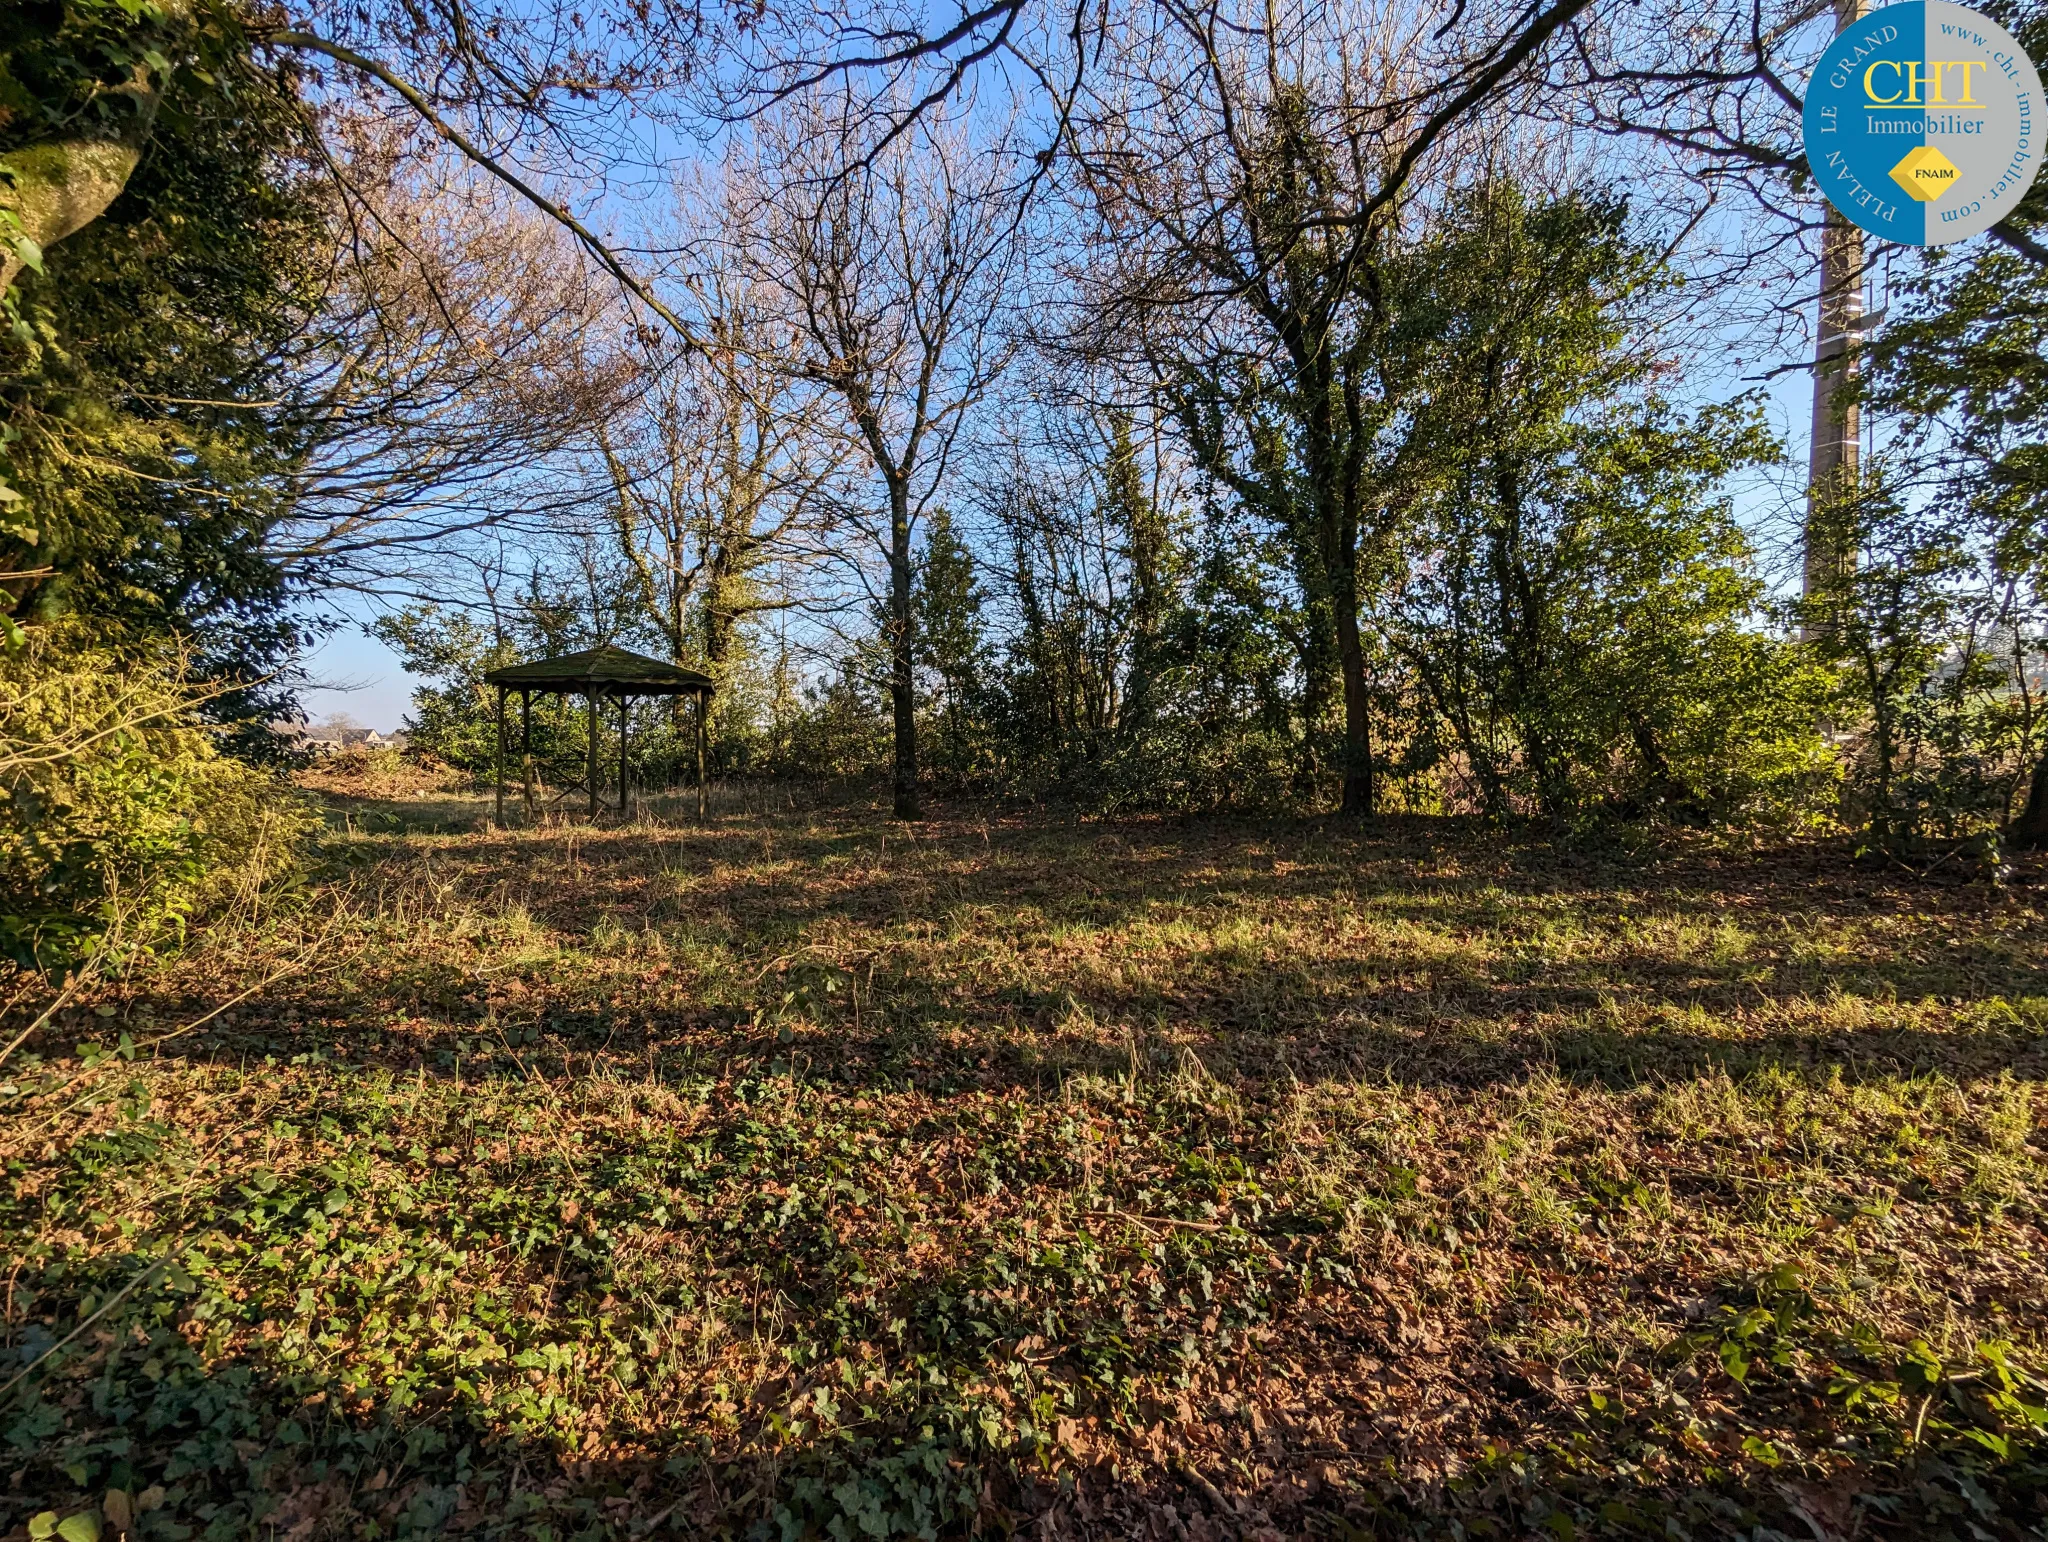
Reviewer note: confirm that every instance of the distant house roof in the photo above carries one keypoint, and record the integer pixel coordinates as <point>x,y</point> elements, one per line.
<point>325,738</point>
<point>605,671</point>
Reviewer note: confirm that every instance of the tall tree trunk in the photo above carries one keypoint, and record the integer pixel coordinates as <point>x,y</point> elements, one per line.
<point>1663,783</point>
<point>902,683</point>
<point>719,620</point>
<point>1317,653</point>
<point>1837,427</point>
<point>1337,531</point>
<point>2029,832</point>
<point>1882,818</point>
<point>1358,768</point>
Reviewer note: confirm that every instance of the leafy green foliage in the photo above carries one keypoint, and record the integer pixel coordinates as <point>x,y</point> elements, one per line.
<point>1216,696</point>
<point>63,62</point>
<point>146,421</point>
<point>119,816</point>
<point>952,646</point>
<point>1558,614</point>
<point>1962,356</point>
<point>1583,616</point>
<point>1933,668</point>
<point>833,728</point>
<point>454,716</point>
<point>1942,629</point>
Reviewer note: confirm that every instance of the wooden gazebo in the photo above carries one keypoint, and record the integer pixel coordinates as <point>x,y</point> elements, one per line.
<point>595,673</point>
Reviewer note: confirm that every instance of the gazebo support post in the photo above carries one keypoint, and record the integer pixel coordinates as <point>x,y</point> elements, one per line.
<point>526,747</point>
<point>675,727</point>
<point>500,765</point>
<point>590,769</point>
<point>625,807</point>
<point>702,808</point>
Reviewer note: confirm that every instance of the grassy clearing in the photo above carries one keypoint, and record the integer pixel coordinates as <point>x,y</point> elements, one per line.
<point>804,1175</point>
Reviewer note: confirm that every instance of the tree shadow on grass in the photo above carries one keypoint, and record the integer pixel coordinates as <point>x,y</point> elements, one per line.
<point>744,1093</point>
<point>1418,950</point>
<point>1467,1034</point>
<point>1417,887</point>
<point>450,1031</point>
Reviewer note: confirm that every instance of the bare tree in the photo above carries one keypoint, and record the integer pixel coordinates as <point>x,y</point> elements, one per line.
<point>450,381</point>
<point>896,278</point>
<point>724,469</point>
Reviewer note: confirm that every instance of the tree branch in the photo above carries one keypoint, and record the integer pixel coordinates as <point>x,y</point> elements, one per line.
<point>417,100</point>
<point>2022,243</point>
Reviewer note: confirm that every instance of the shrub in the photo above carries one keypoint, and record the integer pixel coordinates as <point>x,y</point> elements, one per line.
<point>119,816</point>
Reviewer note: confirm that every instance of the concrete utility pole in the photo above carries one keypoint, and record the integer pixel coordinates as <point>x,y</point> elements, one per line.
<point>1832,464</point>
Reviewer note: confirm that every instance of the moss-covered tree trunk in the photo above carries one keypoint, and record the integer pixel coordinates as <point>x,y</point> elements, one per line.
<point>62,186</point>
<point>56,187</point>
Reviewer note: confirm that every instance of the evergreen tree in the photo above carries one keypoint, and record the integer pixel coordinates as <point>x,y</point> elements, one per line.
<point>1581,615</point>
<point>148,428</point>
<point>952,645</point>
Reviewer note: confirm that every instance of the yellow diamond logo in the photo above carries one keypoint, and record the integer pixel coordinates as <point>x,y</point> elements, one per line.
<point>1925,173</point>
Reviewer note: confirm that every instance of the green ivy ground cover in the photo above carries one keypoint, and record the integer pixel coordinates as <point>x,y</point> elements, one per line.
<point>808,1176</point>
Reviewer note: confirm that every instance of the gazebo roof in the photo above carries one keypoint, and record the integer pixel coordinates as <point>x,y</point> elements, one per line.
<point>605,671</point>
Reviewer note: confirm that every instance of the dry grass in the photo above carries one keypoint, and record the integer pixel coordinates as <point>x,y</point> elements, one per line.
<point>806,1171</point>
<point>355,776</point>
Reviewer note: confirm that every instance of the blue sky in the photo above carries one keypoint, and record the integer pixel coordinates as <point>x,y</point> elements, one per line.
<point>356,676</point>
